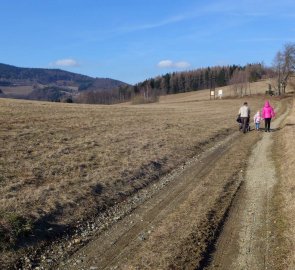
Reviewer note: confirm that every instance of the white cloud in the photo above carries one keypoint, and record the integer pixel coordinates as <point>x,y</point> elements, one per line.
<point>171,64</point>
<point>165,64</point>
<point>65,63</point>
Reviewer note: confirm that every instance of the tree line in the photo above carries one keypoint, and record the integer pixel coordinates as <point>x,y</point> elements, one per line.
<point>179,82</point>
<point>203,78</point>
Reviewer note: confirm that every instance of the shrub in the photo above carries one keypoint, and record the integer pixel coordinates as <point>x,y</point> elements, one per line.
<point>140,99</point>
<point>12,227</point>
<point>67,100</point>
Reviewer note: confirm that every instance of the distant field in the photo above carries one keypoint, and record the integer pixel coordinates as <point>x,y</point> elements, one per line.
<point>17,90</point>
<point>63,161</point>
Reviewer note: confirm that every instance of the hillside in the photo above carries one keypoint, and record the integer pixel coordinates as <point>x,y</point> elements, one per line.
<point>39,83</point>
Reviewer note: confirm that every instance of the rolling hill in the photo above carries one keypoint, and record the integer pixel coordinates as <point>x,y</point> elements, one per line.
<point>49,84</point>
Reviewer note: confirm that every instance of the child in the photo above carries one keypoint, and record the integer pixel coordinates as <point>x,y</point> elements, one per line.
<point>257,119</point>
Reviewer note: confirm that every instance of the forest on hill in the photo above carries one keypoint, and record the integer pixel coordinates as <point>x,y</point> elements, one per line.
<point>50,84</point>
<point>203,78</point>
<point>11,74</point>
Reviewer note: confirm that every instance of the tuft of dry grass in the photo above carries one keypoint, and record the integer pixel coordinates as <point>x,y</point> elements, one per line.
<point>63,162</point>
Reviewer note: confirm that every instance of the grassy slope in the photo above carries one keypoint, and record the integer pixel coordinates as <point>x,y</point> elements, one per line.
<point>284,197</point>
<point>255,88</point>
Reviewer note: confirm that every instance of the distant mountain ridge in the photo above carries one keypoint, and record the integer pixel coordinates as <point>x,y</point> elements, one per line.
<point>64,82</point>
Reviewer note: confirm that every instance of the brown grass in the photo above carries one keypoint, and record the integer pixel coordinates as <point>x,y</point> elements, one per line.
<point>285,189</point>
<point>62,162</point>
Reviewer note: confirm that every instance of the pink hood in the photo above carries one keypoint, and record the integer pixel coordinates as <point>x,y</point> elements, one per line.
<point>267,111</point>
<point>266,104</point>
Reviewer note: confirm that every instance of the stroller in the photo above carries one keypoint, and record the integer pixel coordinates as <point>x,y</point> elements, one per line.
<point>239,120</point>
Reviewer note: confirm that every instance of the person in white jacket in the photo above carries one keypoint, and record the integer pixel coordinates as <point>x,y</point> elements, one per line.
<point>244,113</point>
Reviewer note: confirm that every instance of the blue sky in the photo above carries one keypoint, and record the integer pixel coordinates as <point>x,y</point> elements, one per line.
<point>132,40</point>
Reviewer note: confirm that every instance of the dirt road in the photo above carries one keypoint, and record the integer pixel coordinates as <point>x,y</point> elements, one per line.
<point>247,237</point>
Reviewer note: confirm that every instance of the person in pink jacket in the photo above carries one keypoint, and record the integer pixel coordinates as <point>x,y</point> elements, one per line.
<point>267,114</point>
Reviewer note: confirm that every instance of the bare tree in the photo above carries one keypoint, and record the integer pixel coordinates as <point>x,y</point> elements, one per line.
<point>284,65</point>
<point>239,82</point>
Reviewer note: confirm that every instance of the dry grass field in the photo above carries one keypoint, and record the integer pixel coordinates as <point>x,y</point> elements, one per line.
<point>63,162</point>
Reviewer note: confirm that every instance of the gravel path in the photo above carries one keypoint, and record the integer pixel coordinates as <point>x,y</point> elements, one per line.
<point>245,241</point>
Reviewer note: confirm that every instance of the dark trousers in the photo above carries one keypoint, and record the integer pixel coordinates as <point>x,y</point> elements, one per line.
<point>244,123</point>
<point>267,124</point>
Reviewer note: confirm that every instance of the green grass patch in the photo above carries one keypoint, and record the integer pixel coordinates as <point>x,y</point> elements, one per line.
<point>13,226</point>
